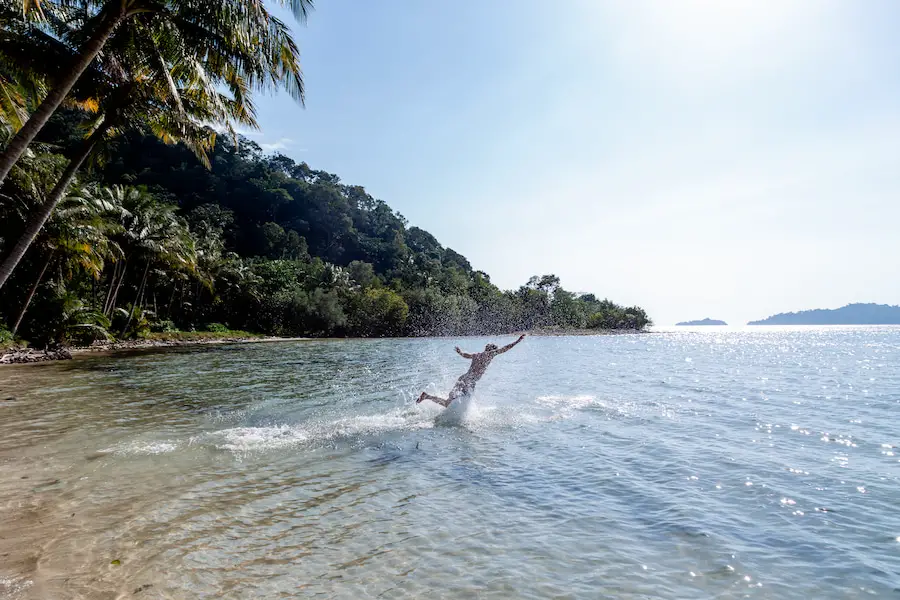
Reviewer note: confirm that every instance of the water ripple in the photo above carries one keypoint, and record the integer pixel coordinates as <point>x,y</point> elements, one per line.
<point>725,464</point>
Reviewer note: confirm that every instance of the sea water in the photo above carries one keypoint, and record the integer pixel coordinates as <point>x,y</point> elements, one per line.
<point>708,463</point>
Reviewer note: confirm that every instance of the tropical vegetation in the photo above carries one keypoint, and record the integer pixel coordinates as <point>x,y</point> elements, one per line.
<point>159,65</point>
<point>124,215</point>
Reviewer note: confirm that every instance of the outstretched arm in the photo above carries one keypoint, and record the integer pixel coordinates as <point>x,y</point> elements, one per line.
<point>463,354</point>
<point>509,346</point>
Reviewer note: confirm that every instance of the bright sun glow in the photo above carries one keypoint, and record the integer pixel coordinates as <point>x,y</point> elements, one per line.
<point>693,40</point>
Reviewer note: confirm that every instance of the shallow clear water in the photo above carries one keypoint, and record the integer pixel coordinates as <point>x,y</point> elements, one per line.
<point>709,464</point>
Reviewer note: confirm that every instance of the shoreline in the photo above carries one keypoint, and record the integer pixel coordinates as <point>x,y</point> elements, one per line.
<point>122,346</point>
<point>19,356</point>
<point>585,332</point>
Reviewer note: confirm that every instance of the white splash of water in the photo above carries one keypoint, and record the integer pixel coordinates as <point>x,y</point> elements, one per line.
<point>247,439</point>
<point>467,411</point>
<point>568,402</point>
<point>457,413</point>
<point>142,448</point>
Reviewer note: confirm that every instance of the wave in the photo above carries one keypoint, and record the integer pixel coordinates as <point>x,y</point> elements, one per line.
<point>134,448</point>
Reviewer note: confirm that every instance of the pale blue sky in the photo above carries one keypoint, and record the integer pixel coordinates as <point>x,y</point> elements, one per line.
<point>722,158</point>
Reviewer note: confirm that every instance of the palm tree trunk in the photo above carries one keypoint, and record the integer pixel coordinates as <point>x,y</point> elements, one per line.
<point>137,298</point>
<point>112,280</point>
<point>40,216</point>
<point>31,293</point>
<point>195,301</point>
<point>115,297</point>
<point>39,117</point>
<point>171,300</point>
<point>142,294</point>
<point>112,285</point>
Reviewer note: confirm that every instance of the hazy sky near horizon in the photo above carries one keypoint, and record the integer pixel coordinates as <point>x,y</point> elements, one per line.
<point>721,158</point>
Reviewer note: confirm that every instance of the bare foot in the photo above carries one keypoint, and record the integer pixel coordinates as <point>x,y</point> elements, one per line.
<point>422,397</point>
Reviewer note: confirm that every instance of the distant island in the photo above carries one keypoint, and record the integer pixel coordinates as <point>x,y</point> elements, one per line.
<point>701,322</point>
<point>852,314</point>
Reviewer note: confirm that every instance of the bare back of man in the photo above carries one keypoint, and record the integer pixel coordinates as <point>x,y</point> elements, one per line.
<point>465,385</point>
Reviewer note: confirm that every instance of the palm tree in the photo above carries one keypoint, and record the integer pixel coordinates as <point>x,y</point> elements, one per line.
<point>237,39</point>
<point>150,233</point>
<point>77,237</point>
<point>24,66</point>
<point>15,97</point>
<point>30,58</point>
<point>175,103</point>
<point>234,278</point>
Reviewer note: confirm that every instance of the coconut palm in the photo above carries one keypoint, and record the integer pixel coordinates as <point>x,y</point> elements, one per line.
<point>31,57</point>
<point>151,233</point>
<point>175,103</point>
<point>15,97</point>
<point>20,85</point>
<point>77,238</point>
<point>240,42</point>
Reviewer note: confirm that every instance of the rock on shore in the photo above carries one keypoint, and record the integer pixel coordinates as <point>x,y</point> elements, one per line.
<point>30,355</point>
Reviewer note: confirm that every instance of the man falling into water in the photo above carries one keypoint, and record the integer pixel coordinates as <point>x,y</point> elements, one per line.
<point>465,385</point>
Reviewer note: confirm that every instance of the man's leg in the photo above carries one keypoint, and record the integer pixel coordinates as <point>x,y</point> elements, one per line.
<point>426,396</point>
